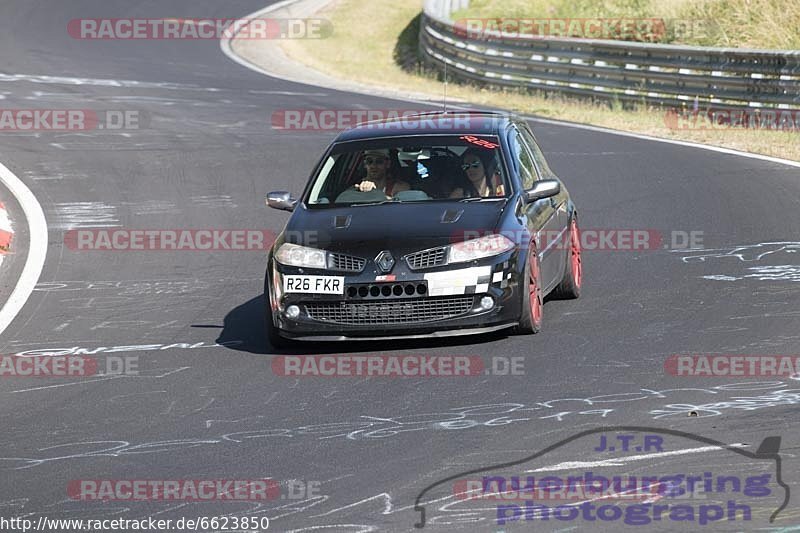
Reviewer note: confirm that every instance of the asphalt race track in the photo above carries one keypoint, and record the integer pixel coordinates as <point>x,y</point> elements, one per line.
<point>206,403</point>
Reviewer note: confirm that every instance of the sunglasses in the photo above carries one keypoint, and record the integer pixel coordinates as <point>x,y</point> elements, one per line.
<point>374,160</point>
<point>475,164</point>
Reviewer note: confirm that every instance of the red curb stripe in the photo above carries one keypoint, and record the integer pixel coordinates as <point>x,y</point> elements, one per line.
<point>5,235</point>
<point>5,240</point>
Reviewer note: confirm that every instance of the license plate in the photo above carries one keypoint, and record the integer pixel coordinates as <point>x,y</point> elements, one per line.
<point>314,284</point>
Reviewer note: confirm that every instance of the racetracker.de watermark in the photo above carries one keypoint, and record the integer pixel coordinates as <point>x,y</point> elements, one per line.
<point>378,119</point>
<point>783,120</point>
<point>67,366</point>
<point>607,239</point>
<point>173,489</point>
<point>148,240</point>
<point>396,366</point>
<point>43,120</point>
<point>733,365</point>
<point>198,28</point>
<point>626,29</point>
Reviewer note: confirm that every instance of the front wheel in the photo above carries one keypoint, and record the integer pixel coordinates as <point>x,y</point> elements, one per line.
<point>570,286</point>
<point>270,329</point>
<point>532,301</point>
<point>273,337</point>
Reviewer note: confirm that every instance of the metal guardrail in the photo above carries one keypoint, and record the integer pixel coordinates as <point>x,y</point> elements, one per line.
<point>674,76</point>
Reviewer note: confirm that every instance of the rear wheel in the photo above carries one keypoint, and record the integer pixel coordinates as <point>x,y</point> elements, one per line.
<point>570,286</point>
<point>532,300</point>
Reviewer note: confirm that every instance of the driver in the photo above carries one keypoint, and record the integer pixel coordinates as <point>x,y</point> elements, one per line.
<point>379,174</point>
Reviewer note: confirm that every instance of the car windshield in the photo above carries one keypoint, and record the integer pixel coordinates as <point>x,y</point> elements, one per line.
<point>411,169</point>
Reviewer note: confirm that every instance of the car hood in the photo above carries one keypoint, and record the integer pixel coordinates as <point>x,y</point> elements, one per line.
<point>401,227</point>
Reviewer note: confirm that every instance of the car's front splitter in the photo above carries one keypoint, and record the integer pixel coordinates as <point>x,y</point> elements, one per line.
<point>432,335</point>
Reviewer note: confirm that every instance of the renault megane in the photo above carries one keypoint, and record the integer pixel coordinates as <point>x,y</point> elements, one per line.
<point>411,229</point>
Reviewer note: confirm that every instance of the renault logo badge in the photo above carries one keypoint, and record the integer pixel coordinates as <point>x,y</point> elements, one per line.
<point>385,261</point>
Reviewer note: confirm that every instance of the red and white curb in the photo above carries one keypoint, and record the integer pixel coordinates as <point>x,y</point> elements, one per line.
<point>6,232</point>
<point>35,246</point>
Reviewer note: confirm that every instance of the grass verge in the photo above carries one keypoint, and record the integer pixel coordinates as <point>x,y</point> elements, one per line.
<point>375,43</point>
<point>772,24</point>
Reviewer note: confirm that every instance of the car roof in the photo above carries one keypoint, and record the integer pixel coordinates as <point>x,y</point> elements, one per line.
<point>403,124</point>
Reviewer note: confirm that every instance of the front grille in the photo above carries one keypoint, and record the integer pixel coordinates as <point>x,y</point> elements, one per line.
<point>346,262</point>
<point>390,312</point>
<point>427,258</point>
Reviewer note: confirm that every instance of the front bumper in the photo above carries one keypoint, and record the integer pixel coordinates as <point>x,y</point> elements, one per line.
<point>436,302</point>
<point>433,335</point>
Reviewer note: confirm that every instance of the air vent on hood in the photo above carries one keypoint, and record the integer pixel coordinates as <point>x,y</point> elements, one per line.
<point>451,215</point>
<point>341,221</point>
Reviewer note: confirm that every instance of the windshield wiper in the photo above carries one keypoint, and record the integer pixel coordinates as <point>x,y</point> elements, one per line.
<point>478,199</point>
<point>357,204</point>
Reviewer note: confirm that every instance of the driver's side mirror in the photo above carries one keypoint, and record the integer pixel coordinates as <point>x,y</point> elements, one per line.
<point>281,200</point>
<point>542,189</point>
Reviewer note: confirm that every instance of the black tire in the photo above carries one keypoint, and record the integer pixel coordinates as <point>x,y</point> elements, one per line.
<point>271,331</point>
<point>570,286</point>
<point>273,337</point>
<point>528,324</point>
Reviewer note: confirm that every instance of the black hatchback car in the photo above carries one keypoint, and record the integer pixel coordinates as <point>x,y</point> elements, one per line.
<point>423,226</point>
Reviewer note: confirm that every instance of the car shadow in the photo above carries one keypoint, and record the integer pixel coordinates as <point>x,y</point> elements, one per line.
<point>243,330</point>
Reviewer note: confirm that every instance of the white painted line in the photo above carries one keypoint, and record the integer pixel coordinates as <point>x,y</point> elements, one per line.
<point>619,461</point>
<point>225,42</point>
<point>60,385</point>
<point>288,93</point>
<point>37,248</point>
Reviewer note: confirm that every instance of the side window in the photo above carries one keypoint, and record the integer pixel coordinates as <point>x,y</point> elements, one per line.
<point>527,170</point>
<point>316,191</point>
<point>538,156</point>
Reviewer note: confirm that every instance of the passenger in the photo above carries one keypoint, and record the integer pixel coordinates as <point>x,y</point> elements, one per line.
<point>478,183</point>
<point>379,174</point>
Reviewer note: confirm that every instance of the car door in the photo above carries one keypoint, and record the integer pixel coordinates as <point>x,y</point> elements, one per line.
<point>559,240</point>
<point>541,216</point>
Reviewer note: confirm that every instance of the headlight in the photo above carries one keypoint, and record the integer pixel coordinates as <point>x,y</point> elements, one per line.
<point>479,248</point>
<point>301,256</point>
